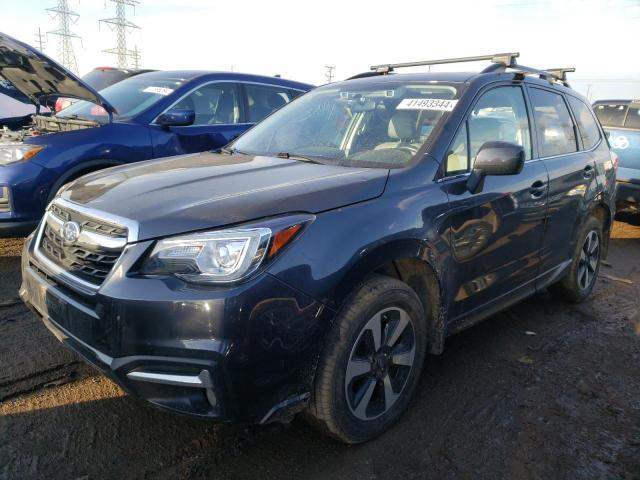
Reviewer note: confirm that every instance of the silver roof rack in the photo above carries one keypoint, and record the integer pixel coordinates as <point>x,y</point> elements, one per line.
<point>507,59</point>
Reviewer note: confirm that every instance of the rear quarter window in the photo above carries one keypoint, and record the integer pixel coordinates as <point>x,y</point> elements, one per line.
<point>589,131</point>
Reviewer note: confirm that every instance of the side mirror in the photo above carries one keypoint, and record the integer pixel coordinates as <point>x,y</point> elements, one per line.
<point>177,117</point>
<point>495,158</point>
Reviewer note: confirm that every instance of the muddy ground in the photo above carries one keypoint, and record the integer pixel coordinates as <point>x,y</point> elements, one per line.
<point>543,390</point>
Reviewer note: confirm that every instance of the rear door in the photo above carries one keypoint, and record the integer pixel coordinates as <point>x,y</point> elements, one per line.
<point>219,119</point>
<point>572,176</point>
<point>495,235</point>
<point>262,99</point>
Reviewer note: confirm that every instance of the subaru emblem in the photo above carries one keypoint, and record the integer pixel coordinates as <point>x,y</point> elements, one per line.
<point>70,232</point>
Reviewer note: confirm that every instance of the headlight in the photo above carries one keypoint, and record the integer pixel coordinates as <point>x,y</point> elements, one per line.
<point>212,257</point>
<point>223,256</point>
<point>16,152</point>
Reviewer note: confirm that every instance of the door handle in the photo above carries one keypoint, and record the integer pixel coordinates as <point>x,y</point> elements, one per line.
<point>538,188</point>
<point>588,171</point>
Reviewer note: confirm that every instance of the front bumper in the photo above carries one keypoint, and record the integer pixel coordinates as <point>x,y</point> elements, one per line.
<point>242,353</point>
<point>628,194</point>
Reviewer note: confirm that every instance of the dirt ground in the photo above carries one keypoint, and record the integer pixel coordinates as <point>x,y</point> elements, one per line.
<point>544,390</point>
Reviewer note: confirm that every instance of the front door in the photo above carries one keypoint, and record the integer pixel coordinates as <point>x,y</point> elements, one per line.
<point>496,234</point>
<point>218,109</point>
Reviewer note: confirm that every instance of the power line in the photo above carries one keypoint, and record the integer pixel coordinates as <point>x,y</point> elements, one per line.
<point>65,18</point>
<point>121,25</point>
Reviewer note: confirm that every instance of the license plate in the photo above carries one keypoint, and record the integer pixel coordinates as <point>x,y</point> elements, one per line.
<point>48,303</point>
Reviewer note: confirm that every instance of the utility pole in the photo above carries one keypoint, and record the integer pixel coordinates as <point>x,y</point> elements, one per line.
<point>40,41</point>
<point>65,18</point>
<point>121,25</point>
<point>329,72</point>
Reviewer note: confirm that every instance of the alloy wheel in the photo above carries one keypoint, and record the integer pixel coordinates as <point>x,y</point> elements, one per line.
<point>380,363</point>
<point>588,262</point>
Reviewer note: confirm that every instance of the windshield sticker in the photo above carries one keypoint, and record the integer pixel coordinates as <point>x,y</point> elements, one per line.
<point>427,104</point>
<point>158,90</point>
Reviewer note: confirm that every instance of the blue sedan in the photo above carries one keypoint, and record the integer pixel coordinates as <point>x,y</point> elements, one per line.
<point>152,115</point>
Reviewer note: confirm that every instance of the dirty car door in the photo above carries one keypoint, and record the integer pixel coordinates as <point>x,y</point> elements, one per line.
<point>496,234</point>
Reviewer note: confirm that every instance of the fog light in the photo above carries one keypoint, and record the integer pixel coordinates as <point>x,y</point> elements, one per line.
<point>5,206</point>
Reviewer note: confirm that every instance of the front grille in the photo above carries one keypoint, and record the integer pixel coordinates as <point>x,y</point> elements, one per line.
<point>88,258</point>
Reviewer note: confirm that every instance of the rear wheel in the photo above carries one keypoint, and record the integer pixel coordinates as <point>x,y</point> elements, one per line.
<point>577,285</point>
<point>371,363</point>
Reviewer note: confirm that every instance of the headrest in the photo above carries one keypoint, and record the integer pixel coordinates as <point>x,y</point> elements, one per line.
<point>402,125</point>
<point>275,101</point>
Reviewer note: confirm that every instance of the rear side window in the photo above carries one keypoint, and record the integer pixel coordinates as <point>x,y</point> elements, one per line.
<point>611,115</point>
<point>499,115</point>
<point>556,133</point>
<point>264,99</point>
<point>633,118</point>
<point>589,131</point>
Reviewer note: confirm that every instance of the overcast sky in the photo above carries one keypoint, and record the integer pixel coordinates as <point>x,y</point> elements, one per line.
<point>297,39</point>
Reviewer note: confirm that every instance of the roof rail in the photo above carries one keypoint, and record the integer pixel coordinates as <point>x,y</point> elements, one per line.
<point>507,59</point>
<point>549,74</point>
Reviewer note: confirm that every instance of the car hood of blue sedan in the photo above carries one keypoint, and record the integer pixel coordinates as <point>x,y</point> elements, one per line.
<point>208,190</point>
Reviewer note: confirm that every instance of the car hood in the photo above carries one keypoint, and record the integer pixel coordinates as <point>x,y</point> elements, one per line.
<point>37,76</point>
<point>208,190</point>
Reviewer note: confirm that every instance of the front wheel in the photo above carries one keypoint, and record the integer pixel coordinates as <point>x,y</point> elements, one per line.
<point>372,361</point>
<point>577,285</point>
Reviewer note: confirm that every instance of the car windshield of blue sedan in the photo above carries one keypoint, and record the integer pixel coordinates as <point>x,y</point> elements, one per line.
<point>129,97</point>
<point>383,124</point>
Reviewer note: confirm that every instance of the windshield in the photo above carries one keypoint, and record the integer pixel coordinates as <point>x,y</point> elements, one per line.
<point>611,115</point>
<point>380,125</point>
<point>129,97</point>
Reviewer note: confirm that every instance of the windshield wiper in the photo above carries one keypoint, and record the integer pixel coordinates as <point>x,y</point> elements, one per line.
<point>295,156</point>
<point>230,151</point>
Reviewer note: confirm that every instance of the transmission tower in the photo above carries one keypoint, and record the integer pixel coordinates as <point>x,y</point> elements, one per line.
<point>329,72</point>
<point>121,25</point>
<point>136,58</point>
<point>39,40</point>
<point>65,17</point>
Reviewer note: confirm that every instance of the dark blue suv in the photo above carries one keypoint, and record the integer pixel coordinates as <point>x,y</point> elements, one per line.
<point>313,263</point>
<point>150,115</point>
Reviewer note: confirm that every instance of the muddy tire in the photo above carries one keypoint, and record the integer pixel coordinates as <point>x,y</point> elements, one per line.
<point>371,363</point>
<point>578,283</point>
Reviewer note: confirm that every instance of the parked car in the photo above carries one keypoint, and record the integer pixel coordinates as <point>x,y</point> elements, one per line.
<point>147,116</point>
<point>100,78</point>
<point>313,263</point>
<point>621,121</point>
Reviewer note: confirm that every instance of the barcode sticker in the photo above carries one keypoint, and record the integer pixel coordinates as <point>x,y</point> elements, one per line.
<point>427,104</point>
<point>158,90</point>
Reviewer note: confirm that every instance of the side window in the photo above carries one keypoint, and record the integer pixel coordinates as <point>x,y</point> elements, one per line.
<point>215,103</point>
<point>499,115</point>
<point>263,99</point>
<point>633,118</point>
<point>458,157</point>
<point>556,132</point>
<point>589,131</point>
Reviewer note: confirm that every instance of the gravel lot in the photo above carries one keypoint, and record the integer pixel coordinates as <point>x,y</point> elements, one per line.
<point>543,390</point>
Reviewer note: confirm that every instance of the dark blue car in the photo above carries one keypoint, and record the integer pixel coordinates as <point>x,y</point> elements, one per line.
<point>152,115</point>
<point>313,263</point>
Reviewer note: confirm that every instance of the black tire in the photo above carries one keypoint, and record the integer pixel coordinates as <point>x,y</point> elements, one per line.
<point>572,287</point>
<point>333,402</point>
